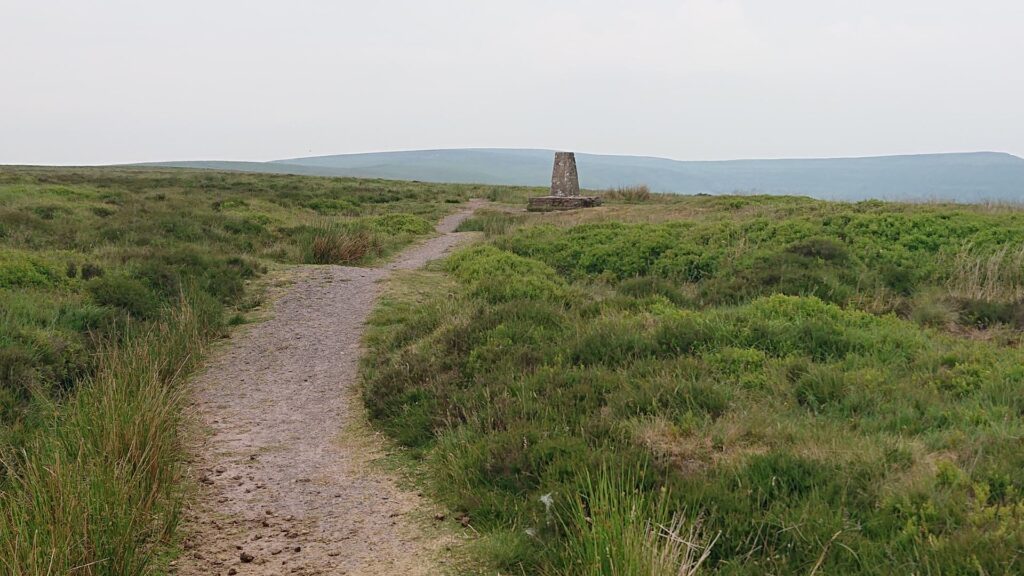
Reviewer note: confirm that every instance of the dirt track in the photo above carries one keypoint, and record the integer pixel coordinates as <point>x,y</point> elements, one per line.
<point>285,484</point>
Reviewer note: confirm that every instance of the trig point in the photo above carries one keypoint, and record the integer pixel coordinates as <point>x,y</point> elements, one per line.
<point>564,179</point>
<point>565,188</point>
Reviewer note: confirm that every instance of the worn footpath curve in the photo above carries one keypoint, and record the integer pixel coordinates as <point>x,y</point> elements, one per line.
<point>282,488</point>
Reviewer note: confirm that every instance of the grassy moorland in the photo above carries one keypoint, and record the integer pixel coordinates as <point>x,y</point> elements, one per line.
<point>112,284</point>
<point>773,385</point>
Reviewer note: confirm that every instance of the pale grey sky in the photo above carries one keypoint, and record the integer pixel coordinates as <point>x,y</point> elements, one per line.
<point>123,81</point>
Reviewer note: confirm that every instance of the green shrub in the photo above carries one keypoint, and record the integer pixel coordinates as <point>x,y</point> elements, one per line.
<point>682,334</point>
<point>103,211</point>
<point>899,279</point>
<point>22,270</point>
<point>244,227</point>
<point>612,342</point>
<point>621,253</point>
<point>821,388</point>
<point>821,248</point>
<point>329,206</point>
<point>507,549</point>
<point>986,313</point>
<point>933,310</point>
<point>90,271</point>
<point>401,224</point>
<point>180,227</point>
<point>780,476</point>
<point>125,293</point>
<point>49,212</point>
<point>170,272</point>
<point>647,286</point>
<point>613,249</point>
<point>512,336</point>
<point>500,276</point>
<point>18,375</point>
<point>781,273</point>
<point>686,264</point>
<point>671,397</point>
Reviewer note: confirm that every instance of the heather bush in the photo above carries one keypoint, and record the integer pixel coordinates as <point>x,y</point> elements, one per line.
<point>797,387</point>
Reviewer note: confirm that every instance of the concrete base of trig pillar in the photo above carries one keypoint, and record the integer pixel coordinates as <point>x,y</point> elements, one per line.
<point>551,203</point>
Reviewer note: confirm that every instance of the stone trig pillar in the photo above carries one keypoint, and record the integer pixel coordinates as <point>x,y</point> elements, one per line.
<point>564,179</point>
<point>565,188</point>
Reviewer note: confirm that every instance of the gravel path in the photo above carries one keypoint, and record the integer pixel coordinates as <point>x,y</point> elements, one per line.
<point>285,484</point>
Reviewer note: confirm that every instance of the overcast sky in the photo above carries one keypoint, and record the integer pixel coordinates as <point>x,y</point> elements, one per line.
<point>121,81</point>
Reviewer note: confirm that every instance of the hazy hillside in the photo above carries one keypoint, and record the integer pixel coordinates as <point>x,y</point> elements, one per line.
<point>961,177</point>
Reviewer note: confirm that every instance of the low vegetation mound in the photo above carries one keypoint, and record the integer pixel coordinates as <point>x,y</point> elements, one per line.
<point>790,386</point>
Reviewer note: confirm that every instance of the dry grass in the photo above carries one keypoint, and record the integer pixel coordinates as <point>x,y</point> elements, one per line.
<point>731,443</point>
<point>628,194</point>
<point>1000,206</point>
<point>332,244</point>
<point>989,276</point>
<point>679,548</point>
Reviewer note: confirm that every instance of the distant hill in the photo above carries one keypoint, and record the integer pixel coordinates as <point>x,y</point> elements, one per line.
<point>968,177</point>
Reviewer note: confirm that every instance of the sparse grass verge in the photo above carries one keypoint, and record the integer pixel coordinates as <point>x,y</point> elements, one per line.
<point>491,222</point>
<point>514,195</point>
<point>792,372</point>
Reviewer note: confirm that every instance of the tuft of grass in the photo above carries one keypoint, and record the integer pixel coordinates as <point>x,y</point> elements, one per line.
<point>97,491</point>
<point>359,240</point>
<point>988,274</point>
<point>335,245</point>
<point>629,194</point>
<point>127,294</point>
<point>491,222</point>
<point>614,528</point>
<point>934,309</point>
